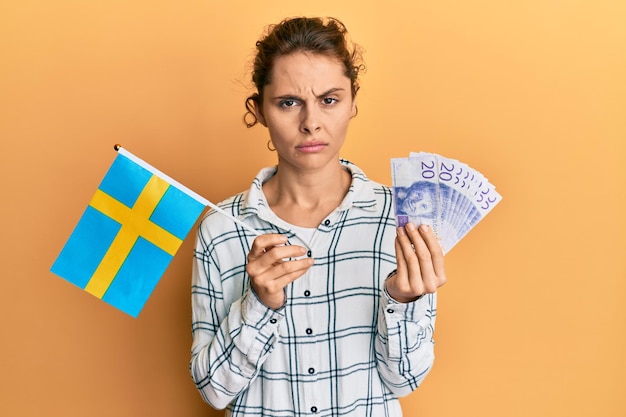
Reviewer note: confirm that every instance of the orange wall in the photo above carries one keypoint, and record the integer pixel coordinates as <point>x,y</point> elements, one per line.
<point>532,93</point>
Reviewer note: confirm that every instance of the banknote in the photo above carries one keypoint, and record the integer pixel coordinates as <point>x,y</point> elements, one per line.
<point>448,195</point>
<point>416,191</point>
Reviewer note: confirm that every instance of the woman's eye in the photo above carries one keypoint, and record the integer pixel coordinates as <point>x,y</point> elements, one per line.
<point>288,103</point>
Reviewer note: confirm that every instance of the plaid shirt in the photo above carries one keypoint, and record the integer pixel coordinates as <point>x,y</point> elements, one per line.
<point>339,347</point>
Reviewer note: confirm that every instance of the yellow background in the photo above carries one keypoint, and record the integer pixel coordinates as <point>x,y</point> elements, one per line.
<point>532,93</point>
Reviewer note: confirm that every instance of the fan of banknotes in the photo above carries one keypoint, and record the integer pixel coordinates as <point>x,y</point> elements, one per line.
<point>446,194</point>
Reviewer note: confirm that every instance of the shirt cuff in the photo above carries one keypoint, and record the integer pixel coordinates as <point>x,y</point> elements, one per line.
<point>403,324</point>
<point>257,315</point>
<point>259,332</point>
<point>392,273</point>
<point>412,311</point>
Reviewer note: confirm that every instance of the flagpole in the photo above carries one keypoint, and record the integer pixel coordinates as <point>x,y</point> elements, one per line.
<point>186,190</point>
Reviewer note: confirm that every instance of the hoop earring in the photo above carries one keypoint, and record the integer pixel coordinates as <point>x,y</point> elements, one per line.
<point>269,147</point>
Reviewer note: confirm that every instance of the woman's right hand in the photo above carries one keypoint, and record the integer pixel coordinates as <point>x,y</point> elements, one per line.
<point>269,270</point>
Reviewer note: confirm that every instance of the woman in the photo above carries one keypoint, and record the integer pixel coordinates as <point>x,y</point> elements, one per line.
<point>331,310</point>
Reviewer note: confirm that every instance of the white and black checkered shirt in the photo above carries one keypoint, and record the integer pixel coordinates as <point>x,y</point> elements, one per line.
<point>339,347</point>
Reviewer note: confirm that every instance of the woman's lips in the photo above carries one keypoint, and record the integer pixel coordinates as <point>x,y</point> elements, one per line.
<point>311,147</point>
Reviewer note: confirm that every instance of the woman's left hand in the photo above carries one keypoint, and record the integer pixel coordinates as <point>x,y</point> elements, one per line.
<point>420,266</point>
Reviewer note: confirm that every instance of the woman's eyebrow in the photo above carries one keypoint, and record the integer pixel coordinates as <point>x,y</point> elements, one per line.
<point>295,97</point>
<point>287,97</point>
<point>329,92</point>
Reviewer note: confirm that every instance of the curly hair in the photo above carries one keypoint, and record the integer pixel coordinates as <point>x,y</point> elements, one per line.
<point>323,36</point>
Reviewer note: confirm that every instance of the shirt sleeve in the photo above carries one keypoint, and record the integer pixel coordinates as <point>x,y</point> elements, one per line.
<point>229,343</point>
<point>404,343</point>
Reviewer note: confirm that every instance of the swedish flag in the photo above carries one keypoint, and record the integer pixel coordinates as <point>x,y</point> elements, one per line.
<point>129,233</point>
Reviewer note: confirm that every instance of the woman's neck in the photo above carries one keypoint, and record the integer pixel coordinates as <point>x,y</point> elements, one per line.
<point>306,198</point>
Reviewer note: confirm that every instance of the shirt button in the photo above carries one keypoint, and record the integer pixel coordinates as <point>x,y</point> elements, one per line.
<point>311,371</point>
<point>273,321</point>
<point>309,331</point>
<point>389,310</point>
<point>308,254</point>
<point>314,409</point>
<point>327,222</point>
<point>307,293</point>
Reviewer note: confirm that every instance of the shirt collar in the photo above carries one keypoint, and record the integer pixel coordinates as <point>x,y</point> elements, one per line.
<point>360,194</point>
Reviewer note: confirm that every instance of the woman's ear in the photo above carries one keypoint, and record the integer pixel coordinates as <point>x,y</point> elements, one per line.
<point>355,109</point>
<point>258,112</point>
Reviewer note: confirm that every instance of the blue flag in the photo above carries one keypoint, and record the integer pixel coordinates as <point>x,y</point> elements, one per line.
<point>129,233</point>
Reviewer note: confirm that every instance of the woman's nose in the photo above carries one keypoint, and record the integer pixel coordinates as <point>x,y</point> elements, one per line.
<point>310,120</point>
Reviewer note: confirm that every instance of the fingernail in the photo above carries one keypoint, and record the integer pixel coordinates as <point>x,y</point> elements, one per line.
<point>410,226</point>
<point>425,228</point>
<point>401,231</point>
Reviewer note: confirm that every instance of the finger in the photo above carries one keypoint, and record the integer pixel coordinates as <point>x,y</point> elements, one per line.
<point>279,275</point>
<point>409,275</point>
<point>275,255</point>
<point>405,244</point>
<point>263,242</point>
<point>270,285</point>
<point>401,268</point>
<point>414,251</point>
<point>430,280</point>
<point>436,252</point>
<point>269,242</point>
<point>289,271</point>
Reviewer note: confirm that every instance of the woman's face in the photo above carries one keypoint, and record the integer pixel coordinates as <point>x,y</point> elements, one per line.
<point>307,108</point>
